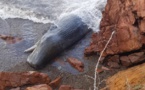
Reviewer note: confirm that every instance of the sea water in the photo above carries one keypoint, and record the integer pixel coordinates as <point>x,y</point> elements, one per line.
<point>29,19</point>
<point>48,11</point>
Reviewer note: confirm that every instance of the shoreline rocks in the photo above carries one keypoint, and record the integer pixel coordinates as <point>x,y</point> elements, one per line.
<point>126,60</point>
<point>127,19</point>
<point>17,79</point>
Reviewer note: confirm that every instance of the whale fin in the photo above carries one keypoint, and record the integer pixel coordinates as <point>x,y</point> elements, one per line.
<point>31,49</point>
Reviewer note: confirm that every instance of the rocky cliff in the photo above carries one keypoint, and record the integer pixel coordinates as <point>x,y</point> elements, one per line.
<point>127,19</point>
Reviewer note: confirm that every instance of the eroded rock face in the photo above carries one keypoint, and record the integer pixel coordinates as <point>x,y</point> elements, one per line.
<point>127,19</point>
<point>13,79</point>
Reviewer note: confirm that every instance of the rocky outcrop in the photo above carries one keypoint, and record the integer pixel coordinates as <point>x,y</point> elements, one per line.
<point>130,79</point>
<point>127,19</point>
<point>14,79</point>
<point>127,59</point>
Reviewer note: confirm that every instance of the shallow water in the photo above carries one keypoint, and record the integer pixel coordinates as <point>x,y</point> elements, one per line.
<point>12,55</point>
<point>49,11</point>
<point>30,19</point>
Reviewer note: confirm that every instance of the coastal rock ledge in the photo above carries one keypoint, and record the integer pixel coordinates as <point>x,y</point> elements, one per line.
<point>127,19</point>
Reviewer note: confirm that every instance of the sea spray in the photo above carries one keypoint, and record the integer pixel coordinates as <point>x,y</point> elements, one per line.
<point>90,11</point>
<point>49,11</point>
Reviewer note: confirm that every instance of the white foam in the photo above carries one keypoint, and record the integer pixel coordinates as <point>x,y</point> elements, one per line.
<point>89,10</point>
<point>9,11</point>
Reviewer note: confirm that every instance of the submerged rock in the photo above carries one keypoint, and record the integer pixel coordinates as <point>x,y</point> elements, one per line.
<point>10,39</point>
<point>76,64</point>
<point>127,19</point>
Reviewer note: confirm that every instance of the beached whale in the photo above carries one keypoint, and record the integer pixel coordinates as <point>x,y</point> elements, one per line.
<point>69,30</point>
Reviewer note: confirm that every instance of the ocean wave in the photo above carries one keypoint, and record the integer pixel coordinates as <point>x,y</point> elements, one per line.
<point>9,11</point>
<point>47,11</point>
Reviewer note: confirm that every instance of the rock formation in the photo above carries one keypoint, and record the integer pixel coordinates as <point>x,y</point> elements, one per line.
<point>14,79</point>
<point>127,19</point>
<point>130,79</point>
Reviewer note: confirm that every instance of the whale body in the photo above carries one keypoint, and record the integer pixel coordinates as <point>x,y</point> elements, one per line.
<point>69,30</point>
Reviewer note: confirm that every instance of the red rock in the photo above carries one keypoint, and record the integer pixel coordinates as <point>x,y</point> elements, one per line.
<point>127,19</point>
<point>102,59</point>
<point>10,39</point>
<point>39,87</point>
<point>18,88</point>
<point>139,54</point>
<point>105,68</point>
<point>99,70</point>
<point>114,58</point>
<point>113,65</point>
<point>125,61</point>
<point>142,26</point>
<point>136,57</point>
<point>55,83</point>
<point>76,64</point>
<point>65,87</point>
<point>16,79</point>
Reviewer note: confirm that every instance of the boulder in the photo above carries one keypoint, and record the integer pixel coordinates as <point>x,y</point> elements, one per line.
<point>17,79</point>
<point>130,79</point>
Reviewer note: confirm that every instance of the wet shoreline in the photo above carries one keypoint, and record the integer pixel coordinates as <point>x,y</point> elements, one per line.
<point>13,59</point>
